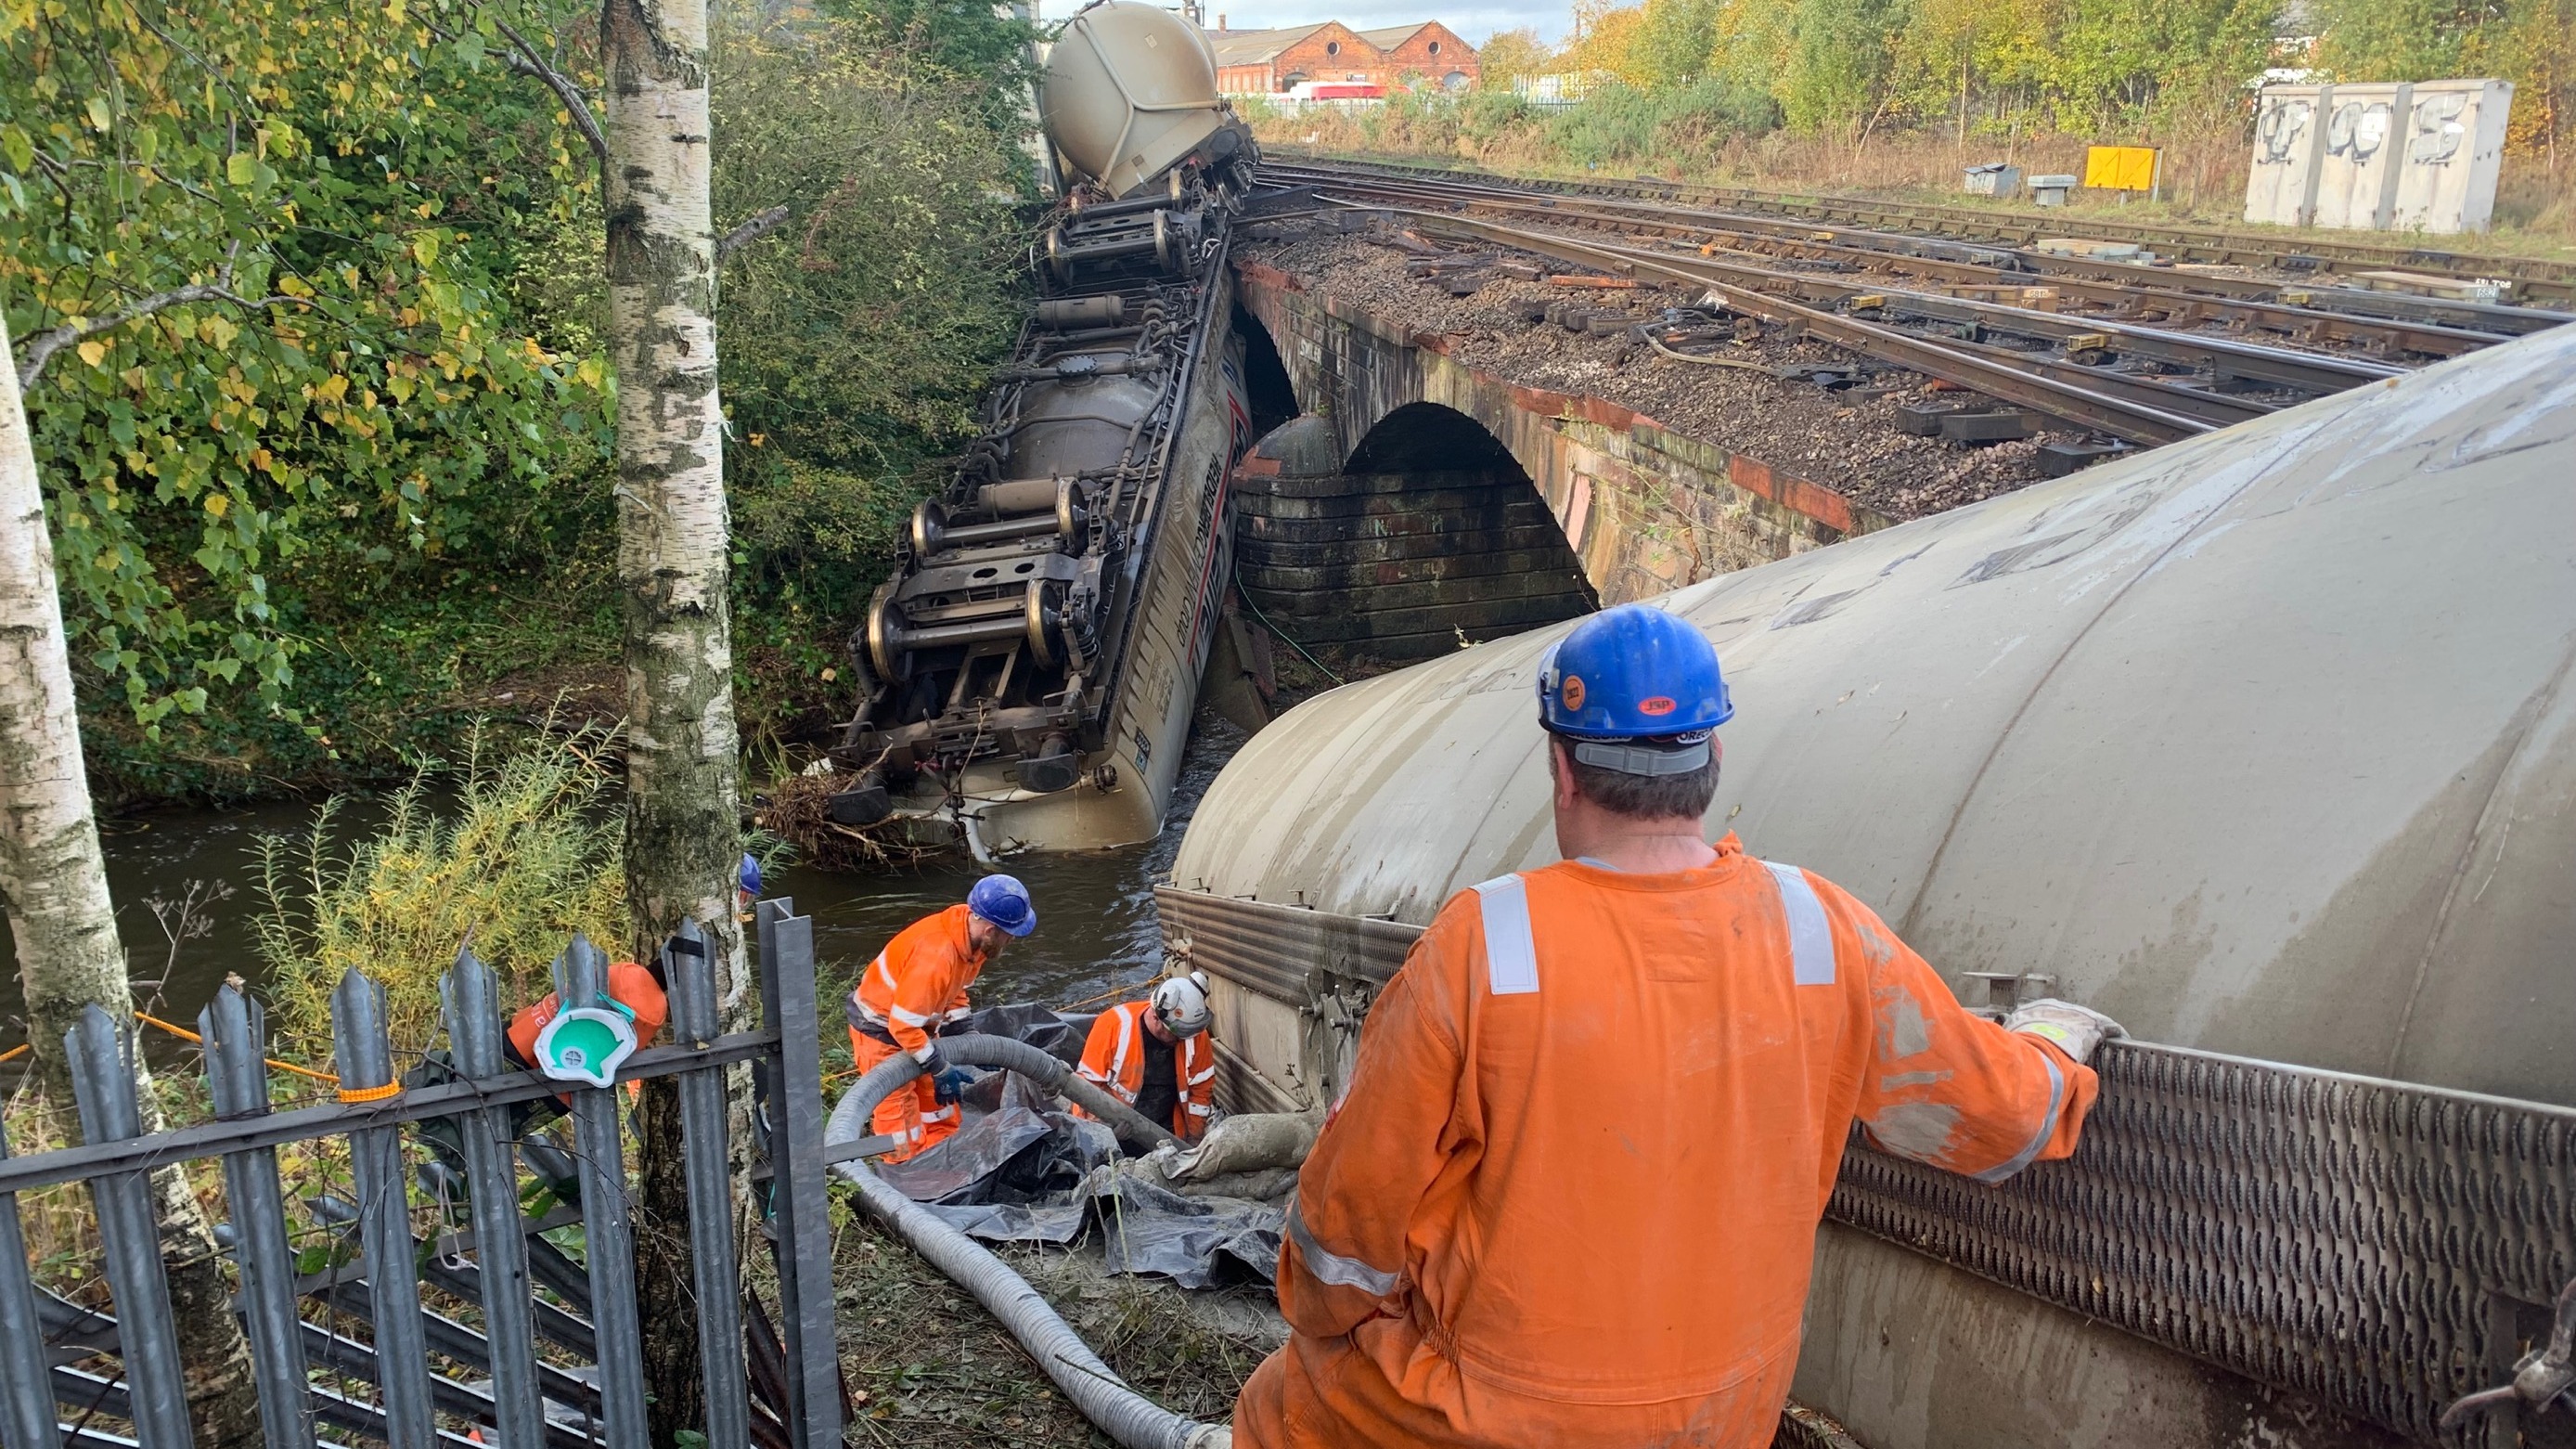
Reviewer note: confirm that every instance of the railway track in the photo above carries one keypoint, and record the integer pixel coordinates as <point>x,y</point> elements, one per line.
<point>2533,279</point>
<point>2137,362</point>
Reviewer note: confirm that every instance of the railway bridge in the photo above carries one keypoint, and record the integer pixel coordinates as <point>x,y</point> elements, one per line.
<point>1417,499</point>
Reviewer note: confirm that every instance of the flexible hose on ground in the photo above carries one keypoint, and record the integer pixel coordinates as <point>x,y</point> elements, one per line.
<point>1120,1412</point>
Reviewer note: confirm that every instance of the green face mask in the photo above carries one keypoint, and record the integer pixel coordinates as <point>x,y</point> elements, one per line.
<point>587,1044</point>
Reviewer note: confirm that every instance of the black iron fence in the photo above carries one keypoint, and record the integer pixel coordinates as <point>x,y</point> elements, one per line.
<point>556,1359</point>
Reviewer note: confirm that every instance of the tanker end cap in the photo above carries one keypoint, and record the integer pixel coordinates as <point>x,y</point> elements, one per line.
<point>1129,93</point>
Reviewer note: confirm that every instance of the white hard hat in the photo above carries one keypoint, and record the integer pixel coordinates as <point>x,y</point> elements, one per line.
<point>1182,1002</point>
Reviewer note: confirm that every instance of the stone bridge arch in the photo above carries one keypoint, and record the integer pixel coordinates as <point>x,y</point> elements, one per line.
<point>1643,509</point>
<point>1421,536</point>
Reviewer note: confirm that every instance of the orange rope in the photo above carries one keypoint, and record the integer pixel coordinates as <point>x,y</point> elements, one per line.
<point>186,1035</point>
<point>15,1052</point>
<point>371,1094</point>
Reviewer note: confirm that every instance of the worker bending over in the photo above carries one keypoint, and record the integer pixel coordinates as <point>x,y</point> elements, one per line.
<point>918,984</point>
<point>1154,1055</point>
<point>1571,1196</point>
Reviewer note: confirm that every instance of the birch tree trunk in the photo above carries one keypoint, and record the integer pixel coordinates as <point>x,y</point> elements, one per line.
<point>683,827</point>
<point>55,883</point>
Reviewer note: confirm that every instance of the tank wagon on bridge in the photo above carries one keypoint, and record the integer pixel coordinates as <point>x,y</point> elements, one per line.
<point>1027,674</point>
<point>2263,743</point>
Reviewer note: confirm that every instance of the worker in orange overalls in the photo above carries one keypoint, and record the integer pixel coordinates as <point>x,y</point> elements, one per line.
<point>918,983</point>
<point>1154,1055</point>
<point>1571,1195</point>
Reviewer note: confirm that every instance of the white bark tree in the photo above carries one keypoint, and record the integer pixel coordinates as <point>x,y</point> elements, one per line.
<point>683,822</point>
<point>55,882</point>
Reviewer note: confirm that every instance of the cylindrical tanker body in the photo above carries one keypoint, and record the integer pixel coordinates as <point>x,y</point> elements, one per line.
<point>1026,677</point>
<point>2264,743</point>
<point>1130,93</point>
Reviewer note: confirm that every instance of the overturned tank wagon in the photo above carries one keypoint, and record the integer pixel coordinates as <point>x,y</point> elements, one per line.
<point>1026,676</point>
<point>2264,743</point>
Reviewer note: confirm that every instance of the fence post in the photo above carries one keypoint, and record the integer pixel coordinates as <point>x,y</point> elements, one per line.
<point>365,1056</point>
<point>103,1078</point>
<point>472,997</point>
<point>689,967</point>
<point>796,1142</point>
<point>607,1222</point>
<point>25,1376</point>
<point>235,1031</point>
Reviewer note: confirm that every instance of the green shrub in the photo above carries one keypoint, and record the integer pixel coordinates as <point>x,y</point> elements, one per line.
<point>512,852</point>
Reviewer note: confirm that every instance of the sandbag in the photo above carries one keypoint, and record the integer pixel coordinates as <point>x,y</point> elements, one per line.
<point>1251,1142</point>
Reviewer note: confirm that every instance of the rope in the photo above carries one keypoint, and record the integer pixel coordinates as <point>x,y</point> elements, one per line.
<point>370,1094</point>
<point>1282,633</point>
<point>15,1052</point>
<point>184,1034</point>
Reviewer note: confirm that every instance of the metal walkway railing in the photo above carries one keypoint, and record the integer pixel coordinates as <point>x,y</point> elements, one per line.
<point>558,1356</point>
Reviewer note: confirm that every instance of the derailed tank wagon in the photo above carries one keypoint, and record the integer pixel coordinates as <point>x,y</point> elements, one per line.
<point>1026,677</point>
<point>2264,744</point>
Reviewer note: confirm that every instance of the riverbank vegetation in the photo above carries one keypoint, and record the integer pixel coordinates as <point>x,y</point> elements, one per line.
<point>1897,95</point>
<point>317,375</point>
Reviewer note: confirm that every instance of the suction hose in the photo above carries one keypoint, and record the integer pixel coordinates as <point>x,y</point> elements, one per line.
<point>1120,1412</point>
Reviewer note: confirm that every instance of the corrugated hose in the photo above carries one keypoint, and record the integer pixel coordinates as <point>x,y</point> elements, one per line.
<point>1104,1398</point>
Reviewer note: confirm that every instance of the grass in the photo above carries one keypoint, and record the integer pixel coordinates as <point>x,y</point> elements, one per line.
<point>933,1370</point>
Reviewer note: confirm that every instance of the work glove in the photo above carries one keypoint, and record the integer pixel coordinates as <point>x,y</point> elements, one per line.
<point>947,1082</point>
<point>2072,1029</point>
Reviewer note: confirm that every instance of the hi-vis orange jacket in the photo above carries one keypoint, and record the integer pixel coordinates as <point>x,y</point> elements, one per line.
<point>1114,1056</point>
<point>919,979</point>
<point>1572,1195</point>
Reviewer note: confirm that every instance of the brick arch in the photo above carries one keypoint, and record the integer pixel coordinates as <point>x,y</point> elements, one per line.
<point>1644,509</point>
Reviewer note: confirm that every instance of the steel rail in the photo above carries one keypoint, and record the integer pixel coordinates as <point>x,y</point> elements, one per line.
<point>2184,299</point>
<point>2084,406</point>
<point>2536,277</point>
<point>2252,361</point>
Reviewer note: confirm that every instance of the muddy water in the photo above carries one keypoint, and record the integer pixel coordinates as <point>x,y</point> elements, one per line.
<point>1096,925</point>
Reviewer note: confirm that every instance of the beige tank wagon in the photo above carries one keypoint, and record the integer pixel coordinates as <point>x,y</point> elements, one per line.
<point>2262,743</point>
<point>1026,677</point>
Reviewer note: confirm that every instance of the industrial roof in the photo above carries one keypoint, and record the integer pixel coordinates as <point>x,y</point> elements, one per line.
<point>1253,47</point>
<point>1388,37</point>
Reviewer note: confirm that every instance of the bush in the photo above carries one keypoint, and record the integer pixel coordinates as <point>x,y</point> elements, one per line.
<point>511,853</point>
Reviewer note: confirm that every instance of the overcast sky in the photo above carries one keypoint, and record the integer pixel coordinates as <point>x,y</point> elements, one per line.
<point>1548,17</point>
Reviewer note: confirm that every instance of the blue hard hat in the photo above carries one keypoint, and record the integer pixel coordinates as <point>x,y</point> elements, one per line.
<point>1002,900</point>
<point>749,878</point>
<point>1631,673</point>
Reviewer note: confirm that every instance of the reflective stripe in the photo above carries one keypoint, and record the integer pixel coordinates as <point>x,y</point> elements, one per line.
<point>1197,1110</point>
<point>910,1018</point>
<point>924,1052</point>
<point>885,973</point>
<point>1511,957</point>
<point>940,1114</point>
<point>1207,1076</point>
<point>2047,1124</point>
<point>1811,939</point>
<point>1333,1268</point>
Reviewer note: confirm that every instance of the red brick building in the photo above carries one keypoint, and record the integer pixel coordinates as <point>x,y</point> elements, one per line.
<point>1267,62</point>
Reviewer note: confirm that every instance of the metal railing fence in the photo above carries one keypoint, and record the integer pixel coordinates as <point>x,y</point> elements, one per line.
<point>557,1359</point>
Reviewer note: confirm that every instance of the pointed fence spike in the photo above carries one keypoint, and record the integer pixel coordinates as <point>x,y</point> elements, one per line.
<point>235,1029</point>
<point>365,1054</point>
<point>26,1378</point>
<point>471,993</point>
<point>101,1058</point>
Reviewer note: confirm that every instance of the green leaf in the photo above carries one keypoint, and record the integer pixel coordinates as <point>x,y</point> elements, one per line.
<point>241,168</point>
<point>18,146</point>
<point>100,117</point>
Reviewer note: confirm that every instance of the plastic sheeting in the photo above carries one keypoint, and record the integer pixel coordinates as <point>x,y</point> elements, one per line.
<point>1023,1169</point>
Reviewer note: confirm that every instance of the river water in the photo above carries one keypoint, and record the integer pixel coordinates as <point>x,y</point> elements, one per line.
<point>186,885</point>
